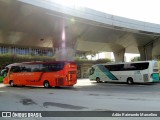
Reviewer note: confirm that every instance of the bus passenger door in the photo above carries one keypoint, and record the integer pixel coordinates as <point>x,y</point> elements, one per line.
<point>37,78</point>
<point>15,75</point>
<point>33,78</point>
<point>34,74</point>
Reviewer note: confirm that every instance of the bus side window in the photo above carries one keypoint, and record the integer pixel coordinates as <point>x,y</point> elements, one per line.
<point>53,67</point>
<point>91,71</point>
<point>28,69</point>
<point>118,67</point>
<point>22,69</point>
<point>43,69</point>
<point>15,69</point>
<point>35,68</point>
<point>108,67</point>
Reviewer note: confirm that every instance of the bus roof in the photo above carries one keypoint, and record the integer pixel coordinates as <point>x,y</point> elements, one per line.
<point>40,62</point>
<point>113,63</point>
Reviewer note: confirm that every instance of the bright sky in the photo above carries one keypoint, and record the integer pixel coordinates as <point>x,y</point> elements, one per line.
<point>143,10</point>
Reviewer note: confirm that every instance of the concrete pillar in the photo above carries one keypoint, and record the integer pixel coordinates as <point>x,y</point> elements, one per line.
<point>146,51</point>
<point>142,53</point>
<point>156,49</point>
<point>119,55</point>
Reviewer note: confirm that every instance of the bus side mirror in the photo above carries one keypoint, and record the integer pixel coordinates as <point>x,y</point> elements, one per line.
<point>4,72</point>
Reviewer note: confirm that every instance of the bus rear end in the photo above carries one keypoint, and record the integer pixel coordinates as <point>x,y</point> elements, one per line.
<point>154,71</point>
<point>70,72</point>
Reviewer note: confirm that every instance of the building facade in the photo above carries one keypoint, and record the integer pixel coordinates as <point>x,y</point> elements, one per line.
<point>26,51</point>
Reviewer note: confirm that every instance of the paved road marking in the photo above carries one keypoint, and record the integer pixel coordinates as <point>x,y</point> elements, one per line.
<point>2,91</point>
<point>1,85</point>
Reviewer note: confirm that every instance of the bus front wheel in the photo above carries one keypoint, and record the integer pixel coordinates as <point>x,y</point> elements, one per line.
<point>98,80</point>
<point>46,84</point>
<point>130,81</point>
<point>11,83</point>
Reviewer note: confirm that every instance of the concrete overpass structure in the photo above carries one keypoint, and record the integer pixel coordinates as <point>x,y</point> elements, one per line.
<point>41,23</point>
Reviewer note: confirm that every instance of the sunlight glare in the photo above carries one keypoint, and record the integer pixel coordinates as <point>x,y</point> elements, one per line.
<point>63,35</point>
<point>67,3</point>
<point>143,10</point>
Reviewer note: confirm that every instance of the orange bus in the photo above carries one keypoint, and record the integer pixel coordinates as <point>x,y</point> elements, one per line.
<point>47,74</point>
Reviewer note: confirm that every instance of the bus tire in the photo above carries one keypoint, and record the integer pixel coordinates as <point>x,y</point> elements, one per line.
<point>57,86</point>
<point>98,80</point>
<point>11,83</point>
<point>130,81</point>
<point>46,84</point>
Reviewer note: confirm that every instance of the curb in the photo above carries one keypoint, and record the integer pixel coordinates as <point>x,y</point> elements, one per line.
<point>1,84</point>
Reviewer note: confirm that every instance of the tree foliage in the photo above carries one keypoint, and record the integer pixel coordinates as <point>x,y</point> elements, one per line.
<point>135,59</point>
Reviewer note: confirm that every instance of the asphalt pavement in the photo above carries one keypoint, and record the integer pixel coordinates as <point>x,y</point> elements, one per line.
<point>84,96</point>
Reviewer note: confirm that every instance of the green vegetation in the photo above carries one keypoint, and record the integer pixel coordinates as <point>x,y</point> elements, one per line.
<point>10,58</point>
<point>136,59</point>
<point>79,60</point>
<point>1,79</point>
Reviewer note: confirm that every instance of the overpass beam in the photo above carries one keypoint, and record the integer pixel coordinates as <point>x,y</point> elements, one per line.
<point>119,56</point>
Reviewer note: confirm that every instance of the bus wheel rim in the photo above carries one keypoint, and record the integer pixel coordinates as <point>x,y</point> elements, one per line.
<point>130,81</point>
<point>46,84</point>
<point>98,79</point>
<point>11,83</point>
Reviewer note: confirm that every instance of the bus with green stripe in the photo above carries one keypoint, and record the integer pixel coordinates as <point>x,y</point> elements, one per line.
<point>129,72</point>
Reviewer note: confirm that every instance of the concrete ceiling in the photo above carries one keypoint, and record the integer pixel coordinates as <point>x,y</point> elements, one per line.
<point>26,25</point>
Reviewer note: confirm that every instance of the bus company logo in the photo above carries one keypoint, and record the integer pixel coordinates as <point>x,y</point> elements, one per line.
<point>6,114</point>
<point>21,114</point>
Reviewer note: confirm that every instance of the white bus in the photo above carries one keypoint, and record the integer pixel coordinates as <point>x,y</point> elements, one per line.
<point>130,72</point>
